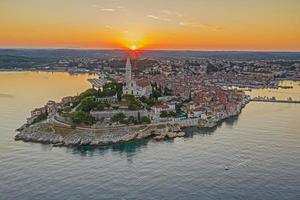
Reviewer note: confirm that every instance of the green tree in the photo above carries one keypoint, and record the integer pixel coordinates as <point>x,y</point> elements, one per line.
<point>87,104</point>
<point>100,106</point>
<point>82,117</point>
<point>118,117</point>
<point>178,107</point>
<point>88,93</point>
<point>164,114</point>
<point>145,120</point>
<point>67,109</point>
<point>131,120</point>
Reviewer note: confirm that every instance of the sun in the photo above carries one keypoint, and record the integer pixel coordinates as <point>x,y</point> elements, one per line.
<point>133,47</point>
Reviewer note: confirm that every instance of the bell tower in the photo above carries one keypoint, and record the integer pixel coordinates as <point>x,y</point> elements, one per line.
<point>128,71</point>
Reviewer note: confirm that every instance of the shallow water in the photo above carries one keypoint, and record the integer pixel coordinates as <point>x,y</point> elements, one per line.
<point>261,149</point>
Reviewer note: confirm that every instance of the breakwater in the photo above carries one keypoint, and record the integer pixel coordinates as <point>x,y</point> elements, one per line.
<point>274,101</point>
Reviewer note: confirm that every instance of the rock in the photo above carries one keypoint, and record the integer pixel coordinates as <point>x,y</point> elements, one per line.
<point>72,139</point>
<point>180,134</point>
<point>159,137</point>
<point>171,134</point>
<point>86,139</point>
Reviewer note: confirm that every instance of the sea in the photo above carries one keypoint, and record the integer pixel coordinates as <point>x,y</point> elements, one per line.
<point>253,156</point>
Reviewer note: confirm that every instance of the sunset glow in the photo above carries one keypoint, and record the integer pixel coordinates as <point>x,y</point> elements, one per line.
<point>133,47</point>
<point>168,24</point>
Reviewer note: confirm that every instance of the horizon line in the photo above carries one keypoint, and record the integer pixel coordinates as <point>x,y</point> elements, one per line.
<point>124,49</point>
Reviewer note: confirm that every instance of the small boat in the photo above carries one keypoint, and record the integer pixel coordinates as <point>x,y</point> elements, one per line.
<point>226,168</point>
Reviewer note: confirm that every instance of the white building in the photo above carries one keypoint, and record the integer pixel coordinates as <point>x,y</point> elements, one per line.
<point>138,88</point>
<point>163,107</point>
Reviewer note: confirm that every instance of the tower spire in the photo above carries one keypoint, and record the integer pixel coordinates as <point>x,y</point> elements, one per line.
<point>128,70</point>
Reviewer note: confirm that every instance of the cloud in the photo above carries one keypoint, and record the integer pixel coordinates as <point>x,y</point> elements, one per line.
<point>153,17</point>
<point>158,18</point>
<point>193,24</point>
<point>111,9</point>
<point>108,9</point>
<point>198,25</point>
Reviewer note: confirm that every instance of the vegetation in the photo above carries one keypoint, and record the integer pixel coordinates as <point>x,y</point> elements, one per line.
<point>133,103</point>
<point>88,93</point>
<point>67,109</point>
<point>156,91</point>
<point>178,107</point>
<point>80,117</point>
<point>41,117</point>
<point>145,120</point>
<point>108,90</point>
<point>168,92</point>
<point>87,104</point>
<point>119,117</point>
<point>150,101</point>
<point>111,89</point>
<point>165,114</point>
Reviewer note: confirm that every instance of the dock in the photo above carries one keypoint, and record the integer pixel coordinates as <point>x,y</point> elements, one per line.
<point>274,101</point>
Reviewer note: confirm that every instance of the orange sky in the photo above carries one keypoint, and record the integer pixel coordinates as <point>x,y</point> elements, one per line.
<point>155,24</point>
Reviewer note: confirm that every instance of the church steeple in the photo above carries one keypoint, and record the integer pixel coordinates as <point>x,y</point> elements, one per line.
<point>128,70</point>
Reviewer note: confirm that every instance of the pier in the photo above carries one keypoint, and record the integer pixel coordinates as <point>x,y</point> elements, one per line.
<point>274,101</point>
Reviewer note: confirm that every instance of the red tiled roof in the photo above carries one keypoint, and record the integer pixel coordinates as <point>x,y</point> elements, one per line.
<point>163,106</point>
<point>143,83</point>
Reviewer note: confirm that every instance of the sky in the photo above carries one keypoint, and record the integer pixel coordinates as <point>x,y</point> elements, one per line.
<point>264,25</point>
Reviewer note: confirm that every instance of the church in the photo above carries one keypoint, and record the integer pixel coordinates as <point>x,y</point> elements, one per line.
<point>137,88</point>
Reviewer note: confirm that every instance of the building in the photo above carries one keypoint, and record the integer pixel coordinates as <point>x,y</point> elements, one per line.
<point>139,88</point>
<point>163,107</point>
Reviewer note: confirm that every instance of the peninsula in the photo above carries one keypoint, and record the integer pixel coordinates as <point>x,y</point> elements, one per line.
<point>132,108</point>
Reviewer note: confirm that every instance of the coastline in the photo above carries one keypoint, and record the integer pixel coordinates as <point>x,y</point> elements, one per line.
<point>50,133</point>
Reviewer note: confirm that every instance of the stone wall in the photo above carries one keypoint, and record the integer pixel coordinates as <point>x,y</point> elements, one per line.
<point>109,114</point>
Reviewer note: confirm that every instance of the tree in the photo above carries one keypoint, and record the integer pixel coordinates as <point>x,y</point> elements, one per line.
<point>100,106</point>
<point>133,106</point>
<point>41,117</point>
<point>132,102</point>
<point>87,104</point>
<point>167,91</point>
<point>82,117</point>
<point>88,93</point>
<point>164,114</point>
<point>67,109</point>
<point>172,114</point>
<point>145,120</point>
<point>178,107</point>
<point>139,116</point>
<point>190,97</point>
<point>150,101</point>
<point>131,120</point>
<point>115,107</point>
<point>118,117</point>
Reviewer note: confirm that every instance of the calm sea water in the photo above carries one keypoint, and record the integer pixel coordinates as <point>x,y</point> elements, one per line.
<point>261,148</point>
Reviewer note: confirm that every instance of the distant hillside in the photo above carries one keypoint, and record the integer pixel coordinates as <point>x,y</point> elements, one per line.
<point>14,58</point>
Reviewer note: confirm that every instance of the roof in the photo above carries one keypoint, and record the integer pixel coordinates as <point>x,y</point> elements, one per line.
<point>142,83</point>
<point>163,106</point>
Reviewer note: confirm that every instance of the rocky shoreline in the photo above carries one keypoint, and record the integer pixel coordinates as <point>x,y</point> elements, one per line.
<point>49,133</point>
